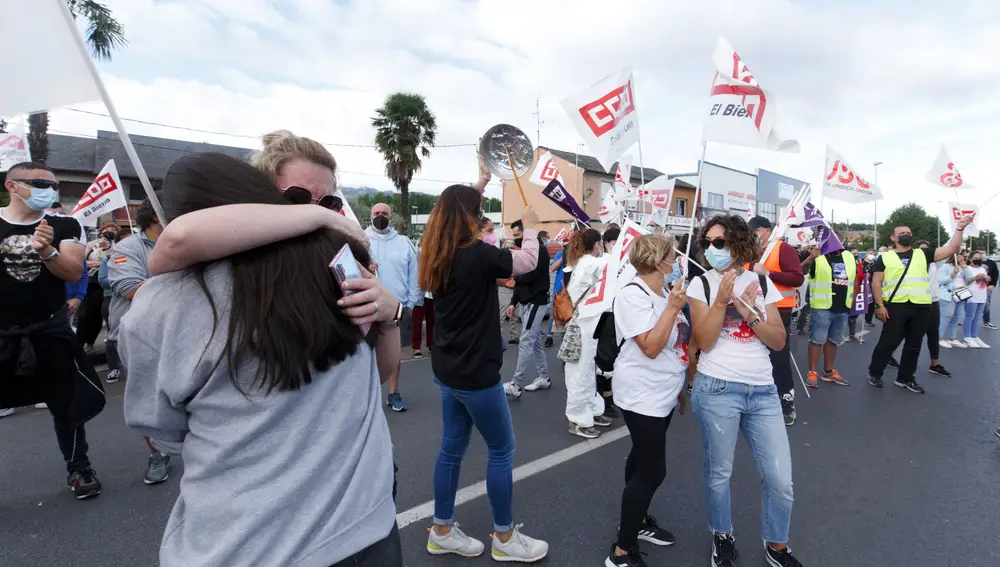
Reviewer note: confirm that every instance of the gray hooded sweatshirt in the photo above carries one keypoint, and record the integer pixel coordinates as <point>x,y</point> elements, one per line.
<point>299,478</point>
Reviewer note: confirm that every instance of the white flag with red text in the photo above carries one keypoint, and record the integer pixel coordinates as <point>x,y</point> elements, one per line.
<point>658,192</point>
<point>14,147</point>
<point>616,273</point>
<point>610,208</point>
<point>958,210</point>
<point>740,111</point>
<point>604,114</point>
<point>104,195</point>
<point>842,183</point>
<point>945,174</point>
<point>546,171</point>
<point>623,180</point>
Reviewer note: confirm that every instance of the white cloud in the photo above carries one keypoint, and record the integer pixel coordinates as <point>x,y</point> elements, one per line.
<point>879,80</point>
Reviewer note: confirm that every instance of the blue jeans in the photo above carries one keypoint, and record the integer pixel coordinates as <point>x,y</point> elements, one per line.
<point>948,329</point>
<point>489,411</point>
<point>828,326</point>
<point>724,409</point>
<point>530,348</point>
<point>973,312</point>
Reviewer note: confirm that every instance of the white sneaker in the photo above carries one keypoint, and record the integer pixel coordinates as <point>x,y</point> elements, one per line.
<point>539,384</point>
<point>455,541</point>
<point>42,405</point>
<point>944,343</point>
<point>981,343</point>
<point>7,411</point>
<point>512,390</point>
<point>958,344</point>
<point>972,343</point>
<point>519,548</point>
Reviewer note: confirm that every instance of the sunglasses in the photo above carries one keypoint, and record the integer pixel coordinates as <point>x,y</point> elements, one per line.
<point>300,196</point>
<point>719,243</point>
<point>38,183</point>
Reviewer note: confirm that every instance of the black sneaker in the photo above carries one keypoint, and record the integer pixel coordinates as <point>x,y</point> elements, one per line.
<point>788,411</point>
<point>781,558</point>
<point>875,381</point>
<point>514,341</point>
<point>84,483</point>
<point>651,531</point>
<point>633,559</point>
<point>940,371</point>
<point>724,552</point>
<point>910,385</point>
<point>549,341</point>
<point>893,363</point>
<point>611,411</point>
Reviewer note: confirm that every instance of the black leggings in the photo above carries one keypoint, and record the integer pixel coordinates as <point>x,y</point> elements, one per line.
<point>385,553</point>
<point>645,469</point>
<point>91,316</point>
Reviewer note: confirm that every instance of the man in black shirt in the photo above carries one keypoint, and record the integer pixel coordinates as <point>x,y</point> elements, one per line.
<point>40,359</point>
<point>531,291</point>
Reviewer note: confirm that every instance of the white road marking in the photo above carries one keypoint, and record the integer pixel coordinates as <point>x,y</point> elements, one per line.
<point>478,490</point>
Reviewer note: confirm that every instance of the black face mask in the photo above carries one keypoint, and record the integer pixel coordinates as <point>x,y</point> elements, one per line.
<point>109,236</point>
<point>380,223</point>
<point>977,262</point>
<point>905,240</point>
<point>518,242</point>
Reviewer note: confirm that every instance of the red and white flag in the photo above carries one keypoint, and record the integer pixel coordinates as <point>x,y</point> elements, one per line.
<point>546,171</point>
<point>561,235</point>
<point>659,191</point>
<point>14,147</point>
<point>610,208</point>
<point>945,174</point>
<point>616,273</point>
<point>623,180</point>
<point>740,111</point>
<point>604,115</point>
<point>958,210</point>
<point>104,195</point>
<point>842,183</point>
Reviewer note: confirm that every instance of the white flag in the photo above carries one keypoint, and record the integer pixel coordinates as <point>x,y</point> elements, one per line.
<point>945,174</point>
<point>658,192</point>
<point>958,210</point>
<point>53,70</point>
<point>104,195</point>
<point>604,114</point>
<point>799,236</point>
<point>842,183</point>
<point>546,171</point>
<point>610,208</point>
<point>14,147</point>
<point>623,180</point>
<point>617,272</point>
<point>740,111</point>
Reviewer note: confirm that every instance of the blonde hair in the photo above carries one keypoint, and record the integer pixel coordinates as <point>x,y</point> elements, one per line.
<point>282,146</point>
<point>648,251</point>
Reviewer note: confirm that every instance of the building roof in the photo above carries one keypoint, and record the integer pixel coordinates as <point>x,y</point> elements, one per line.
<point>88,155</point>
<point>591,165</point>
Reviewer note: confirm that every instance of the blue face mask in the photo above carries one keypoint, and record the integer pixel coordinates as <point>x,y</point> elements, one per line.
<point>41,199</point>
<point>674,275</point>
<point>545,243</point>
<point>718,259</point>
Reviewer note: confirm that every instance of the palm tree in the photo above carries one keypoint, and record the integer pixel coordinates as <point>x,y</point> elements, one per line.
<point>104,35</point>
<point>404,131</point>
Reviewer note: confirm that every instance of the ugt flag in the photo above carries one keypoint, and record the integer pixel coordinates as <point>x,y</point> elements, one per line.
<point>741,112</point>
<point>604,115</point>
<point>842,183</point>
<point>827,239</point>
<point>14,147</point>
<point>945,174</point>
<point>560,196</point>
<point>104,195</point>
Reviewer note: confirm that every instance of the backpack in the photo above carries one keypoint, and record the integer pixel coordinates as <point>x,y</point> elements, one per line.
<point>608,345</point>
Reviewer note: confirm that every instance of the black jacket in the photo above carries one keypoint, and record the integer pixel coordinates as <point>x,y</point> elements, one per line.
<point>992,271</point>
<point>533,288</point>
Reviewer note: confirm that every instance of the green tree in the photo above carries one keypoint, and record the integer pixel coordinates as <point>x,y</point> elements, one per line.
<point>405,130</point>
<point>912,215</point>
<point>985,238</point>
<point>104,35</point>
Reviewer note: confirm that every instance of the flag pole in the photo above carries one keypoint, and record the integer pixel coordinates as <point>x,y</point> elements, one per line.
<point>697,195</point>
<point>113,112</point>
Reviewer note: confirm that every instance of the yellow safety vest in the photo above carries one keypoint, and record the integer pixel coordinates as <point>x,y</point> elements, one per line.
<point>821,282</point>
<point>915,287</point>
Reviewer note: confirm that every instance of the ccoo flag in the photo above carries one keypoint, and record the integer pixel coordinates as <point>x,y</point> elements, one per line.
<point>604,115</point>
<point>104,195</point>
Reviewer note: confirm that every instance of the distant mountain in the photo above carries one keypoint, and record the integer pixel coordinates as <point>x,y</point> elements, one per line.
<point>357,191</point>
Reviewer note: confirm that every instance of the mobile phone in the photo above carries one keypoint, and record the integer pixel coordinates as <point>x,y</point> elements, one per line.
<point>345,267</point>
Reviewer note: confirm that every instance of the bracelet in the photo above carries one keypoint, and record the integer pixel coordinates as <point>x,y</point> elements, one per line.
<point>399,314</point>
<point>755,322</point>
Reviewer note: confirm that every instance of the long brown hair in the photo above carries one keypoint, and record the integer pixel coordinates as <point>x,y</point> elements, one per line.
<point>453,224</point>
<point>582,242</point>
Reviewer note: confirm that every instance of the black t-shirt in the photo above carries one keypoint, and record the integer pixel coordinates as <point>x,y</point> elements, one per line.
<point>29,292</point>
<point>839,283</point>
<point>468,348</point>
<point>904,257</point>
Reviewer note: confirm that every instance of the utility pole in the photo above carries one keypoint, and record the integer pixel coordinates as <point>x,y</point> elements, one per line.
<point>538,123</point>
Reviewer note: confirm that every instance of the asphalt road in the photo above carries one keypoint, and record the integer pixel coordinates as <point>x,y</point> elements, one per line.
<point>882,477</point>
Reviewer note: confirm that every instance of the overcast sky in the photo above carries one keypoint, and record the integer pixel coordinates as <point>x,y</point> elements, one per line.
<point>879,80</point>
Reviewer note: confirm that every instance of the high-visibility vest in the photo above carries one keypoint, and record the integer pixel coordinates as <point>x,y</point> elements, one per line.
<point>773,264</point>
<point>821,282</point>
<point>915,287</point>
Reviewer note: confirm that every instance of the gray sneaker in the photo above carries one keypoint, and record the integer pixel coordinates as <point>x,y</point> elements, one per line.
<point>157,468</point>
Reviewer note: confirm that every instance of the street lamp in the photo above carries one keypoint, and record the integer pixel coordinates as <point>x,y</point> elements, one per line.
<point>875,226</point>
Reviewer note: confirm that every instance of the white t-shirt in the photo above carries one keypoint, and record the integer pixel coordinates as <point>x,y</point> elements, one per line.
<point>932,273</point>
<point>978,289</point>
<point>738,355</point>
<point>647,386</point>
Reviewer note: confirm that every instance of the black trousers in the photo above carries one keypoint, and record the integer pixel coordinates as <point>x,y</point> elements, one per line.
<point>933,332</point>
<point>907,324</point>
<point>870,314</point>
<point>781,360</point>
<point>91,316</point>
<point>385,553</point>
<point>645,469</point>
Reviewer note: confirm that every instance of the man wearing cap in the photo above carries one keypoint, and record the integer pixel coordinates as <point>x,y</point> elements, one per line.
<point>783,267</point>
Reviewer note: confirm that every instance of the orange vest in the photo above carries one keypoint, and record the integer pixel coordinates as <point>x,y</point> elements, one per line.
<point>773,264</point>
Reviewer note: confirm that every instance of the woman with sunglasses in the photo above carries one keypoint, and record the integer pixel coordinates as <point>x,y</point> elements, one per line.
<point>735,320</point>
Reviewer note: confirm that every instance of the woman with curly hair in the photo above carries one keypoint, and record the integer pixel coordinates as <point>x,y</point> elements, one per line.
<point>735,321</point>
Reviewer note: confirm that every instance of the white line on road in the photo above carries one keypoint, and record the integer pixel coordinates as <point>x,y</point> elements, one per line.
<point>426,510</point>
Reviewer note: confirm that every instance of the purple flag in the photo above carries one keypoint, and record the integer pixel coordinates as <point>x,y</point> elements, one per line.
<point>863,294</point>
<point>828,240</point>
<point>560,196</point>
